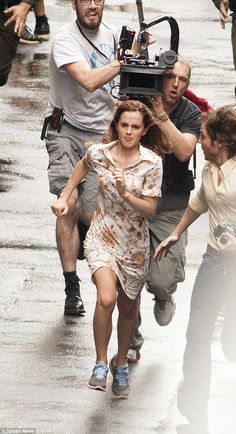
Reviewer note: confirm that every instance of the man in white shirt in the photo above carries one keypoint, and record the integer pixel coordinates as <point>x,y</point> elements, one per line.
<point>82,70</point>
<point>215,282</point>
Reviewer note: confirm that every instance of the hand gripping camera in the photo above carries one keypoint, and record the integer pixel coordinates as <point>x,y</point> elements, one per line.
<point>139,75</point>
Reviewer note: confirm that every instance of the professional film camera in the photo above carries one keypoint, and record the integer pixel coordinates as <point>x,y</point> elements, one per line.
<point>140,76</point>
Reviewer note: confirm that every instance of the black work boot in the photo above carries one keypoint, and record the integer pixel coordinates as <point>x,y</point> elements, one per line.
<point>74,305</point>
<point>42,28</point>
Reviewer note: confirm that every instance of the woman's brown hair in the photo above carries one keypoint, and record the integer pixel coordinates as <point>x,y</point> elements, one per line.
<point>152,139</point>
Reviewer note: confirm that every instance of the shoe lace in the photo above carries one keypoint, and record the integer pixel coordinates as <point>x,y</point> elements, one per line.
<point>122,375</point>
<point>100,370</point>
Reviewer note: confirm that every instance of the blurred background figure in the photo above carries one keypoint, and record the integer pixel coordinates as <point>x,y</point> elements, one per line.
<point>224,6</point>
<point>42,28</point>
<point>13,15</point>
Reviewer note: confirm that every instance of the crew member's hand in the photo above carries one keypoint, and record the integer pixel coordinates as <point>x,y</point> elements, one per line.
<point>157,104</point>
<point>120,182</point>
<point>143,40</point>
<point>18,14</point>
<point>224,6</point>
<point>164,247</point>
<point>60,207</point>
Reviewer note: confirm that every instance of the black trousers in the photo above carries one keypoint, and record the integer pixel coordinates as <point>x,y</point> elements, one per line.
<point>8,46</point>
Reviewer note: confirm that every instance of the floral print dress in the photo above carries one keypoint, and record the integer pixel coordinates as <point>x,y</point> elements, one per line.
<point>118,236</point>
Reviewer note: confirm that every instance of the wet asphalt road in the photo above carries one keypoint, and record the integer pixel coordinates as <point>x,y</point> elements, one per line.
<point>46,359</point>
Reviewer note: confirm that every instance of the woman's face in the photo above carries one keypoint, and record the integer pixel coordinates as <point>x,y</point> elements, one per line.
<point>130,129</point>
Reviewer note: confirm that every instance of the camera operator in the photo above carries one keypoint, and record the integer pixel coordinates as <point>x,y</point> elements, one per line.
<point>215,281</point>
<point>179,121</point>
<point>13,15</point>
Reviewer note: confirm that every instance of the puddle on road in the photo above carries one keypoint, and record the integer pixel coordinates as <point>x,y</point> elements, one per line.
<point>26,246</point>
<point>5,175</point>
<point>8,175</point>
<point>30,70</point>
<point>25,103</point>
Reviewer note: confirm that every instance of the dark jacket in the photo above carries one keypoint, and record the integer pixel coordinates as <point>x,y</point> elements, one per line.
<point>8,3</point>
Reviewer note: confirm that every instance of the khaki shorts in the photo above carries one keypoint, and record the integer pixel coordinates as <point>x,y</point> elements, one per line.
<point>164,275</point>
<point>65,149</point>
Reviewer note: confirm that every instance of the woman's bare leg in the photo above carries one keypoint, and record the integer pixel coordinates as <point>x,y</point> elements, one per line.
<point>105,280</point>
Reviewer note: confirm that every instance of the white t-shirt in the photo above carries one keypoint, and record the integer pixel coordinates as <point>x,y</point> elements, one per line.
<point>89,111</point>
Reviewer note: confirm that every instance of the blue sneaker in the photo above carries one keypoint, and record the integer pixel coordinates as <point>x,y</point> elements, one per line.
<point>98,379</point>
<point>120,385</point>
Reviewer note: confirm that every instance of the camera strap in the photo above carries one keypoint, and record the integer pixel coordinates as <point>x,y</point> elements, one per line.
<point>92,44</point>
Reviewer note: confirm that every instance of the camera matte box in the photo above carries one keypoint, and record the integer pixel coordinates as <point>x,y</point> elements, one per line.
<point>141,80</point>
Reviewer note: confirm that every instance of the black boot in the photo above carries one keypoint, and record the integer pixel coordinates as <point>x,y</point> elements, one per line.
<point>42,28</point>
<point>73,304</point>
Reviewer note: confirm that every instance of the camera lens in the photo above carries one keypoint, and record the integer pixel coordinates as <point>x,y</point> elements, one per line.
<point>223,240</point>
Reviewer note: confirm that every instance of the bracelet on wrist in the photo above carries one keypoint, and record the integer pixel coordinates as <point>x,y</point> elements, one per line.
<point>163,117</point>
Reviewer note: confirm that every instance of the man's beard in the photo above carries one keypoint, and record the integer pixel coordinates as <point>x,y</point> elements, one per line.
<point>84,24</point>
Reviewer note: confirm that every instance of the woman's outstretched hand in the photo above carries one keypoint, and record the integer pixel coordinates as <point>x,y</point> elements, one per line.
<point>60,207</point>
<point>164,247</point>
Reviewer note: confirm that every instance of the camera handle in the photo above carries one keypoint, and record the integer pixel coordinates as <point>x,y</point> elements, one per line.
<point>174,27</point>
<point>141,21</point>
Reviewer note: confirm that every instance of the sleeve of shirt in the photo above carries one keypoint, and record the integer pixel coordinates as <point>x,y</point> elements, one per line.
<point>191,120</point>
<point>65,50</point>
<point>89,157</point>
<point>153,180</point>
<point>198,202</point>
